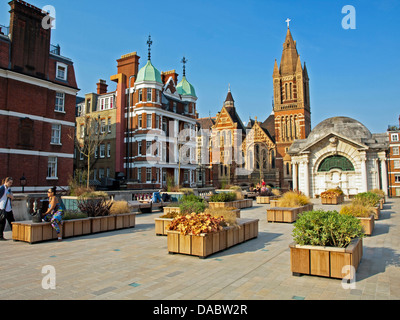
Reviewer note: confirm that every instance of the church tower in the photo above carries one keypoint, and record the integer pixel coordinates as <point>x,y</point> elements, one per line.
<point>291,105</point>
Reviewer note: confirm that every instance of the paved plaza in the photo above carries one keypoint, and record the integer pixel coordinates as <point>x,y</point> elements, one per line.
<point>135,264</point>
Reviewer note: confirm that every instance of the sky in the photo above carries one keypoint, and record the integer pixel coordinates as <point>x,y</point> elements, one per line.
<point>353,72</point>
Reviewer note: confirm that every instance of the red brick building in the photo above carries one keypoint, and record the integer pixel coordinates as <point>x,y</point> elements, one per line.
<point>37,103</point>
<point>393,159</point>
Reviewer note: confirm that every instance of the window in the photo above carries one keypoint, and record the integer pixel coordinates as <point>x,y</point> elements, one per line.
<point>102,150</point>
<point>82,131</point>
<point>80,156</point>
<point>96,155</point>
<point>101,173</point>
<point>52,168</point>
<point>397,178</point>
<point>395,136</point>
<point>139,147</point>
<point>109,125</point>
<point>56,134</point>
<point>140,121</point>
<point>164,125</point>
<point>108,172</point>
<point>148,94</point>
<point>174,107</point>
<point>103,126</point>
<point>396,164</point>
<point>109,150</point>
<point>139,174</point>
<point>185,176</point>
<point>140,95</point>
<point>94,174</point>
<point>148,120</point>
<point>111,102</point>
<point>106,103</point>
<point>395,151</point>
<point>186,108</point>
<point>61,71</point>
<point>60,98</point>
<point>157,95</point>
<point>148,147</point>
<point>148,174</point>
<point>157,122</point>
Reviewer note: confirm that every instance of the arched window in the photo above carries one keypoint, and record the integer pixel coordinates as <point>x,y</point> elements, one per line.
<point>286,91</point>
<point>291,94</point>
<point>273,159</point>
<point>335,162</point>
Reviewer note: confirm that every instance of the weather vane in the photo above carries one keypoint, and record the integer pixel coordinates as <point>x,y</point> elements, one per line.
<point>288,21</point>
<point>149,42</point>
<point>184,61</point>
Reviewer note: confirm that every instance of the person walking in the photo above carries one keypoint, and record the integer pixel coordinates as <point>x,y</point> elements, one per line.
<point>54,213</point>
<point>6,197</point>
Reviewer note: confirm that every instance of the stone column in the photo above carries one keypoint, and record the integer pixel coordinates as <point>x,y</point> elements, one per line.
<point>384,175</point>
<point>306,178</point>
<point>364,179</point>
<point>294,175</point>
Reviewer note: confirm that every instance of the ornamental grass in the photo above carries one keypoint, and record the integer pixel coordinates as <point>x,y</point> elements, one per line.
<point>293,199</point>
<point>357,210</point>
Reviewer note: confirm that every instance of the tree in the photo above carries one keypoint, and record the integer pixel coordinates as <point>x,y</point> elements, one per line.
<point>88,139</point>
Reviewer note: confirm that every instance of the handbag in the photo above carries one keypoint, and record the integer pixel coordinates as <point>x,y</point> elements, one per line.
<point>3,212</point>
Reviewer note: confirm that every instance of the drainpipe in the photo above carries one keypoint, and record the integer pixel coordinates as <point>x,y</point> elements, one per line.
<point>128,145</point>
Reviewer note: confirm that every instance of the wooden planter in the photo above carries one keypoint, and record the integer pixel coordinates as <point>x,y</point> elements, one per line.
<point>239,204</point>
<point>368,224</point>
<point>31,232</point>
<point>381,202</point>
<point>171,209</point>
<point>273,203</point>
<point>265,199</point>
<point>377,212</point>
<point>325,261</point>
<point>161,225</point>
<point>335,200</point>
<point>281,214</point>
<point>208,243</point>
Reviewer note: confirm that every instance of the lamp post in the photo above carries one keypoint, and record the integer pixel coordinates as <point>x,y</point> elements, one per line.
<point>22,181</point>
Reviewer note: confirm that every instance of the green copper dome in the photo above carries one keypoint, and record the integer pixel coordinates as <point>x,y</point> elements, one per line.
<point>148,73</point>
<point>184,88</point>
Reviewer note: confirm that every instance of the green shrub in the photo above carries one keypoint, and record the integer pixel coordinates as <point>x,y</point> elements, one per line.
<point>326,228</point>
<point>223,197</point>
<point>188,207</point>
<point>367,199</point>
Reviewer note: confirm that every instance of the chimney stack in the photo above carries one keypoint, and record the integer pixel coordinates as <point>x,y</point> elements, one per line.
<point>101,87</point>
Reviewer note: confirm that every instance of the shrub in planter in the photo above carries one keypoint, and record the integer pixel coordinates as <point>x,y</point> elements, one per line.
<point>326,228</point>
<point>357,210</point>
<point>192,206</point>
<point>223,197</point>
<point>195,224</point>
<point>119,207</point>
<point>293,199</point>
<point>379,192</point>
<point>91,208</point>
<point>367,198</point>
<point>228,214</point>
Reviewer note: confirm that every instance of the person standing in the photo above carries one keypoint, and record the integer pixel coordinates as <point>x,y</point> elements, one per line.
<point>6,197</point>
<point>54,213</point>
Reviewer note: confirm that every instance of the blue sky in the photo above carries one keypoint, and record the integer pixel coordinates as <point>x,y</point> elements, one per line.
<point>352,72</point>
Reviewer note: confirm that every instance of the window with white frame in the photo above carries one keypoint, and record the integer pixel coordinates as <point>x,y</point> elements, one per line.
<point>56,133</point>
<point>102,150</point>
<point>61,71</point>
<point>109,150</point>
<point>394,136</point>
<point>140,95</point>
<point>139,174</point>
<point>148,94</point>
<point>103,126</point>
<point>60,101</point>
<point>52,167</point>
<point>148,174</point>
<point>157,121</point>
<point>157,95</point>
<point>109,125</point>
<point>139,147</point>
<point>148,147</point>
<point>148,119</point>
<point>139,121</point>
<point>397,178</point>
<point>396,164</point>
<point>395,151</point>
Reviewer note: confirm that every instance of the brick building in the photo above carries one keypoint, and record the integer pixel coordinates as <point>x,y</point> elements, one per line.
<point>37,103</point>
<point>393,159</point>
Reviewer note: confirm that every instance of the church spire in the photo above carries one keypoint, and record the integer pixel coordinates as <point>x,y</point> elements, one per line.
<point>229,102</point>
<point>289,55</point>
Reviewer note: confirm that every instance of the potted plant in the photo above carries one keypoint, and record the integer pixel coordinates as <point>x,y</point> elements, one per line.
<point>332,196</point>
<point>267,194</point>
<point>381,194</point>
<point>288,207</point>
<point>363,213</point>
<point>324,243</point>
<point>229,199</point>
<point>202,234</point>
<point>369,199</point>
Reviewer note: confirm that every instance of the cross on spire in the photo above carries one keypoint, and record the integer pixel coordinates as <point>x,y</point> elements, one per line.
<point>149,43</point>
<point>184,61</point>
<point>288,21</point>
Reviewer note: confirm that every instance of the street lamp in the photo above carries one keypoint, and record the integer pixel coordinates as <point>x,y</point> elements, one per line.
<point>22,181</point>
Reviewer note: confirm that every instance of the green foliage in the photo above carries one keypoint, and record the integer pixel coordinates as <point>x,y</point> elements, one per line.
<point>223,197</point>
<point>70,215</point>
<point>326,228</point>
<point>367,199</point>
<point>188,207</point>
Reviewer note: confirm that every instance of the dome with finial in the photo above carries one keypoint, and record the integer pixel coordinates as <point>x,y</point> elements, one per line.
<point>149,72</point>
<point>184,87</point>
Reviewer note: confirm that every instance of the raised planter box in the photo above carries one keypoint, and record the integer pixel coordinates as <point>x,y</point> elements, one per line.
<point>161,224</point>
<point>31,232</point>
<point>325,261</point>
<point>333,200</point>
<point>239,204</point>
<point>368,224</point>
<point>377,212</point>
<point>265,199</point>
<point>381,202</point>
<point>208,243</point>
<point>281,214</point>
<point>171,209</point>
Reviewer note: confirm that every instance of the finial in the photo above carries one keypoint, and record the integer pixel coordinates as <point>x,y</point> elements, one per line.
<point>184,61</point>
<point>288,21</point>
<point>229,87</point>
<point>149,43</point>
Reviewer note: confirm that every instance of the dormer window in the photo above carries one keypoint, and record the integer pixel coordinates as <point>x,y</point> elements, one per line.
<point>61,71</point>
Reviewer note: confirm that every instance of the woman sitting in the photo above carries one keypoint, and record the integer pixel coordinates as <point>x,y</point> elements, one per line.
<point>54,213</point>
